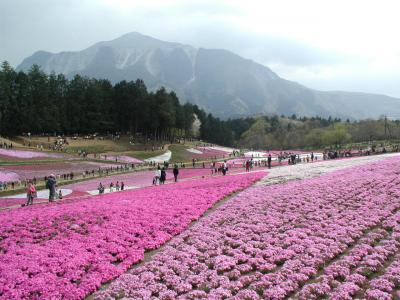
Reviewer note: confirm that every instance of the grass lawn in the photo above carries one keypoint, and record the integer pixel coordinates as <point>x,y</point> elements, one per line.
<point>98,146</point>
<point>179,153</point>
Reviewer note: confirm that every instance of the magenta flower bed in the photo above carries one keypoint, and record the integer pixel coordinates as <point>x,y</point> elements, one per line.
<point>12,202</point>
<point>7,202</point>
<point>67,250</point>
<point>136,179</point>
<point>332,237</point>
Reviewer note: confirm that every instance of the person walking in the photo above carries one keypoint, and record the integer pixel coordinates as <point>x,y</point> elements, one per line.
<point>269,161</point>
<point>176,172</point>
<point>247,166</point>
<point>101,188</point>
<point>30,193</point>
<point>157,176</point>
<point>163,176</point>
<point>111,187</point>
<point>117,186</point>
<point>224,168</point>
<point>122,185</point>
<point>312,156</point>
<point>51,186</point>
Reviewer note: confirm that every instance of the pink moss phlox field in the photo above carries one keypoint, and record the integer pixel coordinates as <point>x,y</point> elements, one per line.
<point>67,250</point>
<point>122,159</point>
<point>207,153</point>
<point>137,179</point>
<point>40,170</point>
<point>27,154</point>
<point>6,176</point>
<point>332,237</point>
<point>7,202</point>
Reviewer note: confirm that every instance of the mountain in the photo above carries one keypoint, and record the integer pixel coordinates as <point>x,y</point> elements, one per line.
<point>219,81</point>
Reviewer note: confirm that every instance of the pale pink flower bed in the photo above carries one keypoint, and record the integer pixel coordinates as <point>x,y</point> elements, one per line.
<point>40,170</point>
<point>276,153</point>
<point>332,237</point>
<point>27,154</point>
<point>237,161</point>
<point>67,250</point>
<point>207,153</point>
<point>6,176</point>
<point>241,162</point>
<point>122,159</point>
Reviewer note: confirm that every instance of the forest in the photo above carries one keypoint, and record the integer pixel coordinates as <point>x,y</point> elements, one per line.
<point>40,103</point>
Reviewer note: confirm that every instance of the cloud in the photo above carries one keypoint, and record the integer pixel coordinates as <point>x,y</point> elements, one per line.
<point>317,43</point>
<point>266,49</point>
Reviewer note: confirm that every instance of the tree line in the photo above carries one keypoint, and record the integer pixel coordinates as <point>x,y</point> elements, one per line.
<point>280,132</point>
<point>38,103</point>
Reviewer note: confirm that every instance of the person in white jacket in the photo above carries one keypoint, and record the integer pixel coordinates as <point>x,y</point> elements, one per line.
<point>157,176</point>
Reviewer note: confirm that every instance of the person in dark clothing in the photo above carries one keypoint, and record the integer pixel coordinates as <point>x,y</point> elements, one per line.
<point>122,185</point>
<point>101,188</point>
<point>269,161</point>
<point>224,168</point>
<point>176,172</point>
<point>163,176</point>
<point>247,166</point>
<point>51,186</point>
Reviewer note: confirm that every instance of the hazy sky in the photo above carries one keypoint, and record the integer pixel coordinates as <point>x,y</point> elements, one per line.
<point>329,45</point>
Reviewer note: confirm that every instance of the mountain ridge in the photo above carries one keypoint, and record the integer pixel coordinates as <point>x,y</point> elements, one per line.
<point>217,80</point>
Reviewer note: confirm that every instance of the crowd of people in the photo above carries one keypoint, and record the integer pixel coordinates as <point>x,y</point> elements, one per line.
<point>51,185</point>
<point>118,187</point>
<point>160,175</point>
<point>67,176</point>
<point>251,163</point>
<point>219,168</point>
<point>4,145</point>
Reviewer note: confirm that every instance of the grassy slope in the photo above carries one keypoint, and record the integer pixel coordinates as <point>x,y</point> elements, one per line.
<point>111,147</point>
<point>179,153</point>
